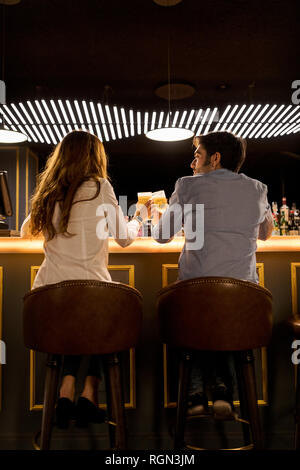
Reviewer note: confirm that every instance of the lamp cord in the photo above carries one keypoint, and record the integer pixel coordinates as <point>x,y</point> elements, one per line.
<point>3,41</point>
<point>169,80</point>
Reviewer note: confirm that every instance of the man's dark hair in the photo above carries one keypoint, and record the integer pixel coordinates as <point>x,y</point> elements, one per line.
<point>231,148</point>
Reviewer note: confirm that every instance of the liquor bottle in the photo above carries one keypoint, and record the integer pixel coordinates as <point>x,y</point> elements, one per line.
<point>276,221</point>
<point>296,219</point>
<point>284,217</point>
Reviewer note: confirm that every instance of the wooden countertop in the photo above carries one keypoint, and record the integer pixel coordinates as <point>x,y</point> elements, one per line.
<point>146,245</point>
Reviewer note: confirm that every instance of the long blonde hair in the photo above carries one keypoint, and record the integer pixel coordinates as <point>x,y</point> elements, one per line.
<point>80,156</point>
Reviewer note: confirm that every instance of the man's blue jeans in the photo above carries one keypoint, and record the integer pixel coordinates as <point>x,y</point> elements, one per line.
<point>212,368</point>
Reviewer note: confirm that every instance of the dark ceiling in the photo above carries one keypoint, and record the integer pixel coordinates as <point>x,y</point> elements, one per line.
<point>116,52</point>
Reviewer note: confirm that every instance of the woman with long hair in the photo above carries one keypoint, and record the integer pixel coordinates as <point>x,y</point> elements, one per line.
<point>74,207</point>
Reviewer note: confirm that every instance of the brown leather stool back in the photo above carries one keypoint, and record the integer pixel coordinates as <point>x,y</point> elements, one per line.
<point>82,317</point>
<point>215,313</point>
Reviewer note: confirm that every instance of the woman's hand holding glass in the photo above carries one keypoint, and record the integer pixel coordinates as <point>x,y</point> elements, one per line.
<point>144,210</point>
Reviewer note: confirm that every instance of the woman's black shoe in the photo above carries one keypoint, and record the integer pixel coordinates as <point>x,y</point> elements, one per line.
<point>65,411</point>
<point>87,412</point>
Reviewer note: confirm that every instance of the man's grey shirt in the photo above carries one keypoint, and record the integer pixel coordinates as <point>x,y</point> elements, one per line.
<point>236,212</point>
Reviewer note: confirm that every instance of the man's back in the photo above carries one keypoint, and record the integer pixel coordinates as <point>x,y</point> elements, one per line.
<point>234,207</point>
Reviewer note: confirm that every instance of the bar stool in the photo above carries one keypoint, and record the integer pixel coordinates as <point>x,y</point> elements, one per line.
<point>83,317</point>
<point>293,324</point>
<point>217,314</point>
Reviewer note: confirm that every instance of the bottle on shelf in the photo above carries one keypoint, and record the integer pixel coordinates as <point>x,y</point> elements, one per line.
<point>275,213</point>
<point>297,219</point>
<point>284,218</point>
<point>294,216</point>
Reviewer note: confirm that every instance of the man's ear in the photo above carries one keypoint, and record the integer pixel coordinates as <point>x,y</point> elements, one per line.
<point>215,159</point>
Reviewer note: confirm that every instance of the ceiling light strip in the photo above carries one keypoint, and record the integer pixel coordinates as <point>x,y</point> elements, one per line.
<point>57,132</point>
<point>30,121</point>
<point>182,118</point>
<point>161,117</point>
<point>264,126</point>
<point>63,111</point>
<point>275,129</point>
<point>18,114</point>
<point>110,123</point>
<point>243,118</point>
<point>175,118</point>
<point>41,127</point>
<point>153,120</point>
<point>275,114</point>
<point>187,126</point>
<point>119,132</point>
<point>230,115</point>
<point>167,123</point>
<point>291,127</point>
<point>297,129</point>
<point>36,102</point>
<point>284,112</point>
<point>131,119</point>
<point>268,129</point>
<point>49,112</point>
<point>70,111</point>
<point>99,132</point>
<point>203,121</point>
<point>6,108</point>
<point>222,118</point>
<point>54,140</point>
<point>212,117</point>
<point>106,136</point>
<point>197,119</point>
<point>294,118</point>
<point>124,120</point>
<point>268,113</point>
<point>29,131</point>
<point>236,117</point>
<point>281,129</point>
<point>244,135</point>
<point>86,112</point>
<point>261,113</point>
<point>254,112</point>
<point>76,104</point>
<point>146,116</point>
<point>291,113</point>
<point>139,124</point>
<point>256,128</point>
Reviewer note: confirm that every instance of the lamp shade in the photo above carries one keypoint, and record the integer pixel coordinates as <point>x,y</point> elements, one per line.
<point>170,134</point>
<point>11,137</point>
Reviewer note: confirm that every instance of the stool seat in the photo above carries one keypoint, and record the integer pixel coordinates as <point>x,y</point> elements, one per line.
<point>83,317</point>
<point>217,314</point>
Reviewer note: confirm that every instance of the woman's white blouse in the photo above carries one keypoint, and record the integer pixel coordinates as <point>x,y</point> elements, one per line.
<point>85,254</point>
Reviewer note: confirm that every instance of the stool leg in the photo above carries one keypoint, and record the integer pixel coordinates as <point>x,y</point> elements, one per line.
<point>110,416</point>
<point>243,403</point>
<point>249,383</point>
<point>297,413</point>
<point>50,391</point>
<point>183,383</point>
<point>117,402</point>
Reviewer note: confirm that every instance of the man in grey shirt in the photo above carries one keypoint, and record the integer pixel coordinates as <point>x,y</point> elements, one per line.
<point>223,213</point>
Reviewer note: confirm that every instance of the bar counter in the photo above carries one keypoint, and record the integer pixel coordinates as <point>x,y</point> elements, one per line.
<point>149,370</point>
